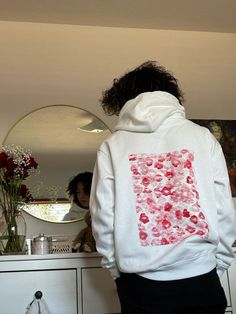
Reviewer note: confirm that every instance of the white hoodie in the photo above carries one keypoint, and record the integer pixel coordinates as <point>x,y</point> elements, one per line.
<point>160,202</point>
<point>75,212</point>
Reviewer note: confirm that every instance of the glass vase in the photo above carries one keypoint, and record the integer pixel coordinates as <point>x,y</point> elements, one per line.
<point>13,239</point>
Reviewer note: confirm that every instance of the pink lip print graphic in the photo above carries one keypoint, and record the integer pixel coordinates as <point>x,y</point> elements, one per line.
<point>167,200</point>
<point>143,218</point>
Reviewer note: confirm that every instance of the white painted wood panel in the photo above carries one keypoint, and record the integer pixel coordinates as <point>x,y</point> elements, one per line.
<point>99,292</point>
<point>58,287</point>
<point>232,285</point>
<point>225,283</point>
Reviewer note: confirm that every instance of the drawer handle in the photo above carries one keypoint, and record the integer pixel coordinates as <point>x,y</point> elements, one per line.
<point>38,305</point>
<point>38,295</point>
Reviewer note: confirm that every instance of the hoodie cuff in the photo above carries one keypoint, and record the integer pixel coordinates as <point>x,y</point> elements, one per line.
<point>114,273</point>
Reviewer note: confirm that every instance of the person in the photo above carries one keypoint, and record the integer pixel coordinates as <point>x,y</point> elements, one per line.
<point>79,190</point>
<point>161,206</point>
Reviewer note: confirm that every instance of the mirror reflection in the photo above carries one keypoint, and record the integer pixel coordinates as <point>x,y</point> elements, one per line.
<point>64,140</point>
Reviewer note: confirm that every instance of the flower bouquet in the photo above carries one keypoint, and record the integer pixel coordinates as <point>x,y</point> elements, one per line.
<point>15,166</point>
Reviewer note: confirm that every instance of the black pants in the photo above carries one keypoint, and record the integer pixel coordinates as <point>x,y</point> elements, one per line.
<point>196,295</point>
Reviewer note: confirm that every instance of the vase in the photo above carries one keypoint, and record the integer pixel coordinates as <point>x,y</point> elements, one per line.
<point>13,238</point>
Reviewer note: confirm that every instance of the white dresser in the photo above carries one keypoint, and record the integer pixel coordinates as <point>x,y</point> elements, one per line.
<point>72,283</point>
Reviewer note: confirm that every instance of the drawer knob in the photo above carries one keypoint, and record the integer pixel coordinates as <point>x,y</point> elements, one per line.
<point>38,295</point>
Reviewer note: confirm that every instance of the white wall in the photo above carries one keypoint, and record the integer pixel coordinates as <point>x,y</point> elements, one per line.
<point>45,64</point>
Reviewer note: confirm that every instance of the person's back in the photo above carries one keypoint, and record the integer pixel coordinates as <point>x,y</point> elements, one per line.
<point>162,190</point>
<point>167,174</point>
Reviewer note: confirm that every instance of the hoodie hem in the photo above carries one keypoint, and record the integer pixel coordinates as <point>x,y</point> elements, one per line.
<point>184,270</point>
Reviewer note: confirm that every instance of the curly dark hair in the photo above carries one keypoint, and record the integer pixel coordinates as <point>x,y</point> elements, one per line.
<point>86,179</point>
<point>148,77</point>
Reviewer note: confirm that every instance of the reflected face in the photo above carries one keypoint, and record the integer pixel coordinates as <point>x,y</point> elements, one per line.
<point>82,196</point>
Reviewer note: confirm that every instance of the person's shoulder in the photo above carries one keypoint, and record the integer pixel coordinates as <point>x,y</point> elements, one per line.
<point>75,212</point>
<point>107,142</point>
<point>197,127</point>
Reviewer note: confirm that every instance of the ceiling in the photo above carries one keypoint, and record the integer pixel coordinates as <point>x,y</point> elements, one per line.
<point>202,15</point>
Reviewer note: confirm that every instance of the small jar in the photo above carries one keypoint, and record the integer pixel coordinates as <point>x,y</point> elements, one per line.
<point>41,244</point>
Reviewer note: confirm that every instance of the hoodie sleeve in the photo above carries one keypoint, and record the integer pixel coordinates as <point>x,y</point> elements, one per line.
<point>225,210</point>
<point>102,211</point>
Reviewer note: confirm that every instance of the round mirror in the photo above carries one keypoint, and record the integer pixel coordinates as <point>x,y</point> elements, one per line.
<point>63,140</point>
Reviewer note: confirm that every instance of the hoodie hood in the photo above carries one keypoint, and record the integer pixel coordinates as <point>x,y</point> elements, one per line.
<point>147,112</point>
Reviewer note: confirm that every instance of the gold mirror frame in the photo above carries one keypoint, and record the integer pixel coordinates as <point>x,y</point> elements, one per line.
<point>61,137</point>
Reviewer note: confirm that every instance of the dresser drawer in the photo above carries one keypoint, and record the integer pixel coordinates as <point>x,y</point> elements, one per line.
<point>58,287</point>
